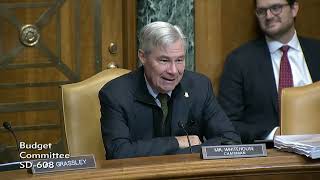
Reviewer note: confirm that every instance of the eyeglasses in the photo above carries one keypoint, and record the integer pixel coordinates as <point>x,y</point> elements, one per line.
<point>274,9</point>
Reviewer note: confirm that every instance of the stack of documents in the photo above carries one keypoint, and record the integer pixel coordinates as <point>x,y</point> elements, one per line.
<point>308,144</point>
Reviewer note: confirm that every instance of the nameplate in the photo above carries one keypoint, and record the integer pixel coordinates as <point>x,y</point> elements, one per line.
<point>65,164</point>
<point>233,151</point>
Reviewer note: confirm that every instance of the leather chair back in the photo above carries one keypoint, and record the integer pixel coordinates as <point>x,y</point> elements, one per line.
<point>81,111</point>
<point>300,110</point>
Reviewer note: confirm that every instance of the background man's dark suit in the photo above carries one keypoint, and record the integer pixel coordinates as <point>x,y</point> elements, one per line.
<point>248,92</point>
<point>127,117</point>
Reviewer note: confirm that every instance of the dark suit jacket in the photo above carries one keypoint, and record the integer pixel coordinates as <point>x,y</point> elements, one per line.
<point>248,92</point>
<point>127,117</point>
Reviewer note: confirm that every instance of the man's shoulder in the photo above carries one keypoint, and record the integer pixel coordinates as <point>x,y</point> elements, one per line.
<point>195,79</point>
<point>196,84</point>
<point>248,52</point>
<point>309,41</point>
<point>121,83</point>
<point>250,46</point>
<point>191,75</point>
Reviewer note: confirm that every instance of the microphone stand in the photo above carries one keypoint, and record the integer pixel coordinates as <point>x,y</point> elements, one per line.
<point>181,125</point>
<point>7,126</point>
<point>12,165</point>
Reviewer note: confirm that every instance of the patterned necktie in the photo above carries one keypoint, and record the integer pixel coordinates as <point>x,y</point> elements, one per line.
<point>285,74</point>
<point>163,98</point>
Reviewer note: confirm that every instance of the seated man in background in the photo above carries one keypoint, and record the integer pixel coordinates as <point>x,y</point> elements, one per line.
<point>255,73</point>
<point>147,112</point>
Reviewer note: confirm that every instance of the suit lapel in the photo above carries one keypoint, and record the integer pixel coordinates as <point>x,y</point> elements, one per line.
<point>141,92</point>
<point>143,115</point>
<point>180,105</point>
<point>180,108</point>
<point>312,59</point>
<point>266,69</point>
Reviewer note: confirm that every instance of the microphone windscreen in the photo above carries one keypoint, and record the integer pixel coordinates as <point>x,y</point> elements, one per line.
<point>7,125</point>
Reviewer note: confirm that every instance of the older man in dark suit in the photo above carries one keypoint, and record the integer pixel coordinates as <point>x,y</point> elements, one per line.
<point>149,111</point>
<point>255,73</point>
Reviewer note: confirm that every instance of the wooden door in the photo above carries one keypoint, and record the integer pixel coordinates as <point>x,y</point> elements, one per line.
<point>221,26</point>
<point>47,43</point>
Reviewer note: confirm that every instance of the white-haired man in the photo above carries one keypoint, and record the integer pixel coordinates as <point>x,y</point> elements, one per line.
<point>147,112</point>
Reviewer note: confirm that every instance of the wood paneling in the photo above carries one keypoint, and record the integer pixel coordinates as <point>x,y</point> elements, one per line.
<point>208,38</point>
<point>73,46</point>
<point>220,26</point>
<point>30,107</point>
<point>307,21</point>
<point>111,33</point>
<point>130,35</point>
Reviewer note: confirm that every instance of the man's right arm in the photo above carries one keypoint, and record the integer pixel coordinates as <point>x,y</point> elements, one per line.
<point>232,97</point>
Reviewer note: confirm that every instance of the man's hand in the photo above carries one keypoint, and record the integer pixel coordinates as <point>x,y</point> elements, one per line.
<point>183,141</point>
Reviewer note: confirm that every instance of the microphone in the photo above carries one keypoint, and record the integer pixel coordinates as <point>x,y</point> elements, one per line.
<point>7,126</point>
<point>181,125</point>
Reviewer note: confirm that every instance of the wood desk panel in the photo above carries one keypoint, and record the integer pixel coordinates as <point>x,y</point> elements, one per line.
<point>277,165</point>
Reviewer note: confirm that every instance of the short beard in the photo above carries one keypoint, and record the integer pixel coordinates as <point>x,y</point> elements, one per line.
<point>284,31</point>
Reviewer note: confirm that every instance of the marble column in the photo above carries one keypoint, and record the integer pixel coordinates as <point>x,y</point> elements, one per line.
<point>177,12</point>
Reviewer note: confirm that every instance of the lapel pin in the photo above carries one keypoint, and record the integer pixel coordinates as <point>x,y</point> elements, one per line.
<point>186,94</point>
